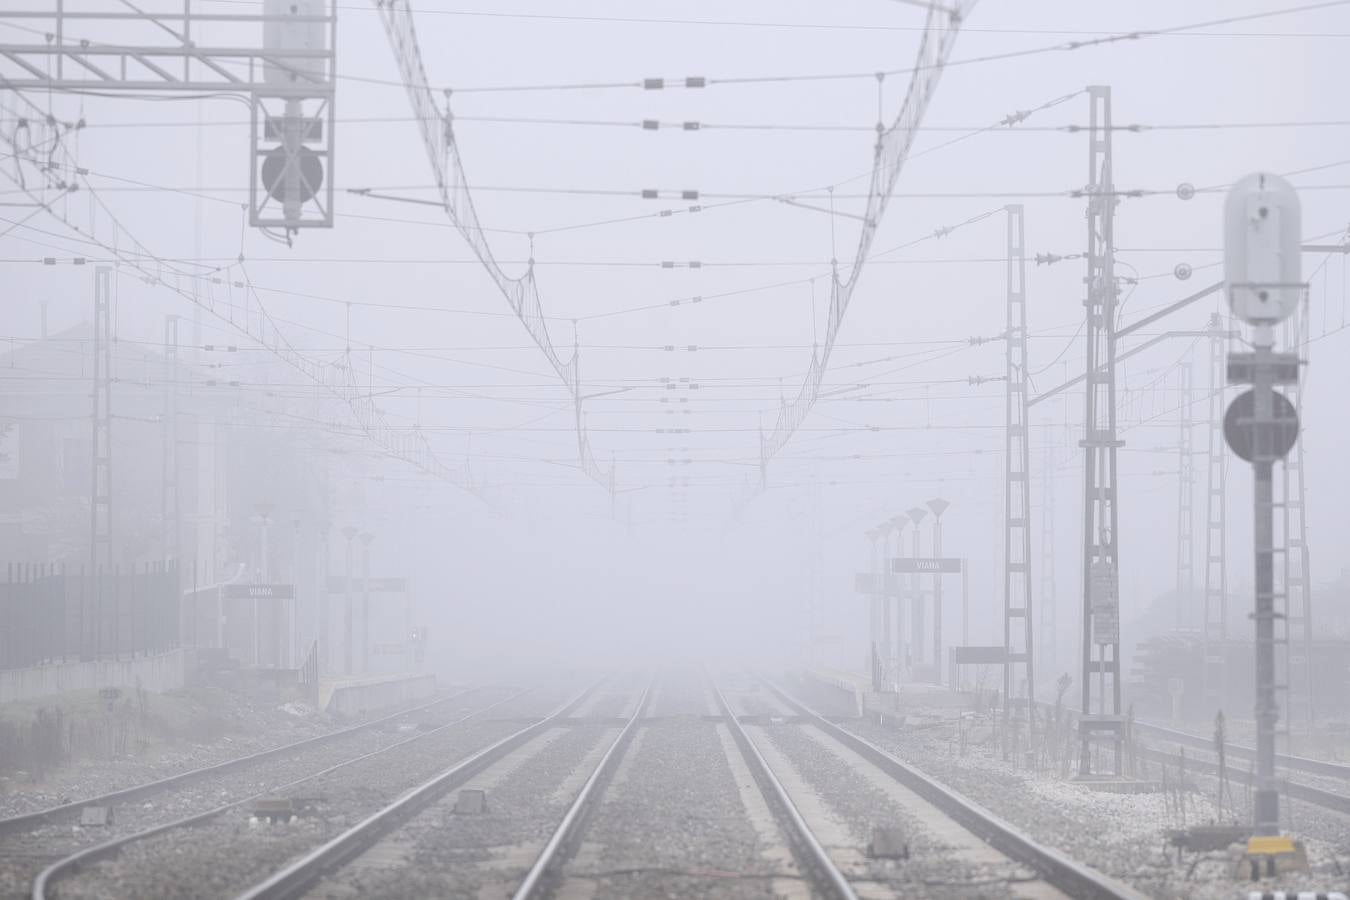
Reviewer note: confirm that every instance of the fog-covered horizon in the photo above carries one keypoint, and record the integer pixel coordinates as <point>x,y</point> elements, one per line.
<point>692,553</point>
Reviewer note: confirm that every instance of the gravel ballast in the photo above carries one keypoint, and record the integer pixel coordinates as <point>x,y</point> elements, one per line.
<point>1121,835</point>
<point>230,852</point>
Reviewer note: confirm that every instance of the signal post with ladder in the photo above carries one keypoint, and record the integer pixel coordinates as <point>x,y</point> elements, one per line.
<point>1261,271</point>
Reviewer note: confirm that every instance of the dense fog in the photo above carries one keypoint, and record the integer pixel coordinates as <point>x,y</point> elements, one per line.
<point>636,501</point>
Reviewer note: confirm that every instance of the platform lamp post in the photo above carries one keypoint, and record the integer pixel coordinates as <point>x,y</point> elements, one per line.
<point>293,605</point>
<point>349,532</point>
<point>901,641</point>
<point>874,611</point>
<point>885,529</point>
<point>321,595</point>
<point>916,515</point>
<point>937,506</point>
<point>366,538</point>
<point>895,624</point>
<point>263,519</point>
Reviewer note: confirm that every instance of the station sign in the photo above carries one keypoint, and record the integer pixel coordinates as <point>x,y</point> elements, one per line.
<point>259,592</point>
<point>979,655</point>
<point>940,565</point>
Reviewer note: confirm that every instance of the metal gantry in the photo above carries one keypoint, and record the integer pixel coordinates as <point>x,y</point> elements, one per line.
<point>1101,718</point>
<point>289,81</point>
<point>1214,625</point>
<point>1185,501</point>
<point>1018,668</point>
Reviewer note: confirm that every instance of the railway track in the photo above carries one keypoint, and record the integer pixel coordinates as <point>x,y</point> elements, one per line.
<point>71,811</point>
<point>1055,868</point>
<point>31,841</point>
<point>298,877</point>
<point>77,866</point>
<point>1320,797</point>
<point>816,869</point>
<point>1335,801</point>
<point>1305,764</point>
<point>560,845</point>
<point>585,753</point>
<point>812,857</point>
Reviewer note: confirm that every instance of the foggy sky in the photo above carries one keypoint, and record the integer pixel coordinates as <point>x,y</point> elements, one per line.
<point>547,560</point>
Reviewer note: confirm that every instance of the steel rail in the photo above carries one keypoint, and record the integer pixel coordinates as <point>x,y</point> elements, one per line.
<point>569,827</point>
<point>1316,796</point>
<point>69,864</point>
<point>811,856</point>
<point>29,821</point>
<point>1294,763</point>
<point>298,877</point>
<point>1073,878</point>
<point>1305,764</point>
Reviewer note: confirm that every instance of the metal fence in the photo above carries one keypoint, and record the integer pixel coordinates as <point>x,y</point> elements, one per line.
<point>53,613</point>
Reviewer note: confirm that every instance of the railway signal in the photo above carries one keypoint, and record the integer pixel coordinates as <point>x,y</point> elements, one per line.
<point>1262,233</point>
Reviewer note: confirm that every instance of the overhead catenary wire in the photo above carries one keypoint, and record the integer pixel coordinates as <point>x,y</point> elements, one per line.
<point>587,348</point>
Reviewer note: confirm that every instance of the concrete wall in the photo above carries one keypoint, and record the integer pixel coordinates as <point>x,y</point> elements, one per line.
<point>351,699</point>
<point>162,672</point>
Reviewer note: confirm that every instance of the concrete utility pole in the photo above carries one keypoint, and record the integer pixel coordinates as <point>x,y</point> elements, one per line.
<point>1101,562</point>
<point>1185,502</point>
<point>263,519</point>
<point>1017,624</point>
<point>171,514</point>
<point>874,632</point>
<point>1214,626</point>
<point>938,507</point>
<point>349,532</point>
<point>100,484</point>
<point>1046,601</point>
<point>1262,261</point>
<point>366,538</point>
<point>321,627</point>
<point>293,605</point>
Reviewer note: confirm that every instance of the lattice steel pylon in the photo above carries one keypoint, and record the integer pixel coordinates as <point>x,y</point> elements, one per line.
<point>1101,562</point>
<point>1185,589</point>
<point>1214,625</point>
<point>100,485</point>
<point>1298,619</point>
<point>1017,605</point>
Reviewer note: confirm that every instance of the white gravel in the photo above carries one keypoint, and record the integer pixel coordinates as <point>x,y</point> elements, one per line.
<point>228,853</point>
<point>1121,835</point>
